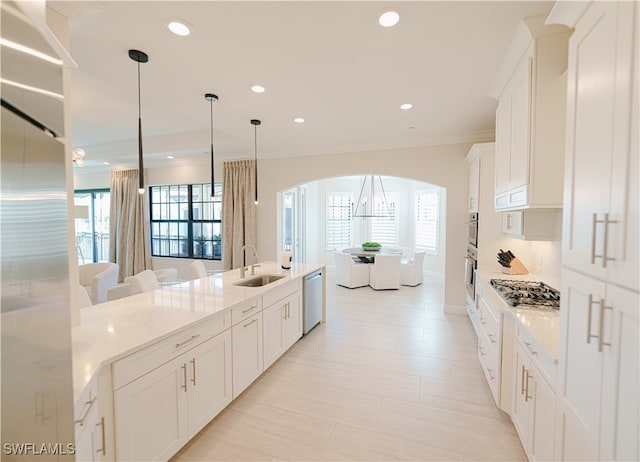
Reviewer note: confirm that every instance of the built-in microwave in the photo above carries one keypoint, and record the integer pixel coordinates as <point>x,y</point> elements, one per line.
<point>472,237</point>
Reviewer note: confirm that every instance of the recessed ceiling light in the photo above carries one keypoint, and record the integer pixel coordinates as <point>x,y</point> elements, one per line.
<point>179,27</point>
<point>106,163</point>
<point>406,106</point>
<point>412,128</point>
<point>388,19</point>
<point>258,89</point>
<point>170,157</point>
<point>298,120</point>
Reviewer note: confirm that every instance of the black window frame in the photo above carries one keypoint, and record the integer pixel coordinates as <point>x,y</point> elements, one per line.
<point>213,241</point>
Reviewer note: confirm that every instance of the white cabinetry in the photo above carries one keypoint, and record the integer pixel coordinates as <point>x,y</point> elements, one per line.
<point>598,404</point>
<point>534,224</point>
<point>599,362</point>
<point>601,210</point>
<point>90,432</point>
<point>282,321</point>
<point>167,392</point>
<point>474,185</point>
<point>247,345</point>
<point>530,118</point>
<point>534,403</point>
<point>495,347</point>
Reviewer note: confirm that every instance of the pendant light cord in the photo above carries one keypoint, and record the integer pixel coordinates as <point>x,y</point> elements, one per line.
<point>255,161</point>
<point>212,169</point>
<point>140,159</point>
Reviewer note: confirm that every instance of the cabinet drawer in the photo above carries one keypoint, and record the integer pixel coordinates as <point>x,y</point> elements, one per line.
<point>490,366</point>
<point>141,362</point>
<point>513,199</point>
<point>538,355</point>
<point>280,292</point>
<point>245,309</point>
<point>489,323</point>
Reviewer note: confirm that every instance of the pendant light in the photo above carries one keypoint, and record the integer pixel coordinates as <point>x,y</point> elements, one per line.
<point>139,57</point>
<point>211,98</point>
<point>255,123</point>
<point>386,210</point>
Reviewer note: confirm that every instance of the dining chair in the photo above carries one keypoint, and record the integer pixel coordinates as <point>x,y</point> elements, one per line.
<point>197,270</point>
<point>97,278</point>
<point>411,270</point>
<point>384,273</point>
<point>349,273</point>
<point>144,281</point>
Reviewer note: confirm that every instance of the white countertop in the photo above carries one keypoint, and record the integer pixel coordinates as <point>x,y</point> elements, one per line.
<point>544,325</point>
<point>112,330</point>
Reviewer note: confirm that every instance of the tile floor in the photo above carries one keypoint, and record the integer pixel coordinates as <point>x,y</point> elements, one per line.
<point>388,377</point>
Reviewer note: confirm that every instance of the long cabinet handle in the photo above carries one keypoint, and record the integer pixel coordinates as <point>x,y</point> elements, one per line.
<point>103,449</point>
<point>522,375</point>
<point>193,371</point>
<point>88,405</point>
<point>250,322</point>
<point>605,255</point>
<point>601,342</point>
<point>184,374</point>
<point>593,238</point>
<point>589,318</point>
<point>189,340</point>
<point>526,388</point>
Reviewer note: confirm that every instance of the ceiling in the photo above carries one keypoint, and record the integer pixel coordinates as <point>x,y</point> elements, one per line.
<point>329,62</point>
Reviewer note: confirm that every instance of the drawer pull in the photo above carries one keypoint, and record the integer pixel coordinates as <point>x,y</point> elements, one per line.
<point>589,317</point>
<point>189,340</point>
<point>184,374</point>
<point>522,381</point>
<point>601,341</point>
<point>250,322</point>
<point>193,370</point>
<point>491,338</point>
<point>87,408</point>
<point>252,307</point>
<point>526,389</point>
<point>491,376</point>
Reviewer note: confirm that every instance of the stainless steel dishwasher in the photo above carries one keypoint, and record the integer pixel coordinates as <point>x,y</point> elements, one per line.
<point>313,300</point>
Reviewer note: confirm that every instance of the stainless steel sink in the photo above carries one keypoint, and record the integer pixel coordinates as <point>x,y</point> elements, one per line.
<point>258,281</point>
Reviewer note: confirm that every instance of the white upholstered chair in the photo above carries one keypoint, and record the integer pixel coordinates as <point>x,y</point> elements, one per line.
<point>411,270</point>
<point>96,278</point>
<point>144,281</point>
<point>349,273</point>
<point>384,272</point>
<point>197,270</point>
<point>166,275</point>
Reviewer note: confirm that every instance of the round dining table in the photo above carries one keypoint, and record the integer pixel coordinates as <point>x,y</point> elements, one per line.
<point>368,256</point>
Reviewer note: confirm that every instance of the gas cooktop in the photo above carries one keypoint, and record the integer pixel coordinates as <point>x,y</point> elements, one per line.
<point>527,294</point>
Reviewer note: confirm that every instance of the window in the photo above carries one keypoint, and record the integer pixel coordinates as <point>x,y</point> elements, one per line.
<point>385,230</point>
<point>427,205</point>
<point>186,221</point>
<point>339,234</point>
<point>92,225</point>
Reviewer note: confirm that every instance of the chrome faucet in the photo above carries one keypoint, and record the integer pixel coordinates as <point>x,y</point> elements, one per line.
<point>255,254</point>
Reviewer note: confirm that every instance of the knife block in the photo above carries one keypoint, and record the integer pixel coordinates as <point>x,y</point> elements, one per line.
<point>516,268</point>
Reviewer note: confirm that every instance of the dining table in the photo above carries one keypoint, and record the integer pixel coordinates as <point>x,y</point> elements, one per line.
<point>368,256</point>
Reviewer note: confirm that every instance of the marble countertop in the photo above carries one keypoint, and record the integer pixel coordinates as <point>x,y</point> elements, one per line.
<point>543,325</point>
<point>109,331</point>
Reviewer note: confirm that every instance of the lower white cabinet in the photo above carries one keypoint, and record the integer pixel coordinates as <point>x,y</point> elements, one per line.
<point>470,305</point>
<point>282,327</point>
<point>534,406</point>
<point>90,429</point>
<point>599,362</point>
<point>156,414</point>
<point>248,361</point>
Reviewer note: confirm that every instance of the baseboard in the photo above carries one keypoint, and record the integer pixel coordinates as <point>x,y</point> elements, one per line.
<point>456,309</point>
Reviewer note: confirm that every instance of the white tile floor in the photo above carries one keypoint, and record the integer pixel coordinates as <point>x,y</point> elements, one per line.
<point>388,377</point>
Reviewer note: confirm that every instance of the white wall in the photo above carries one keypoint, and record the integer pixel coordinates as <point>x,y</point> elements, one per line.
<point>443,165</point>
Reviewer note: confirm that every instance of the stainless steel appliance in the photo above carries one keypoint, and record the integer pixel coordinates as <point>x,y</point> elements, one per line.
<point>472,235</point>
<point>470,267</point>
<point>313,294</point>
<point>527,294</point>
<point>37,388</point>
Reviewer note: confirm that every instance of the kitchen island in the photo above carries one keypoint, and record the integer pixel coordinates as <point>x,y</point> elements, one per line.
<point>152,369</point>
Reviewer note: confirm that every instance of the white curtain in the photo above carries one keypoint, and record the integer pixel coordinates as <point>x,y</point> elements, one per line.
<point>238,211</point>
<point>129,237</point>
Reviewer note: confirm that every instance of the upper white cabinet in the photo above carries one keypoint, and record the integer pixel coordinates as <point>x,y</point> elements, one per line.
<point>601,186</point>
<point>530,122</point>
<point>474,184</point>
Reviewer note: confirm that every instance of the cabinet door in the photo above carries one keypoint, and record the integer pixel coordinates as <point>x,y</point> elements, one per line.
<point>520,123</point>
<point>597,136</point>
<point>580,367</point>
<point>209,375</point>
<point>503,145</point>
<point>87,443</point>
<point>543,408</point>
<point>273,319</point>
<point>292,322</point>
<point>150,414</point>
<point>522,392</point>
<point>620,406</point>
<point>512,223</point>
<point>248,362</point>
